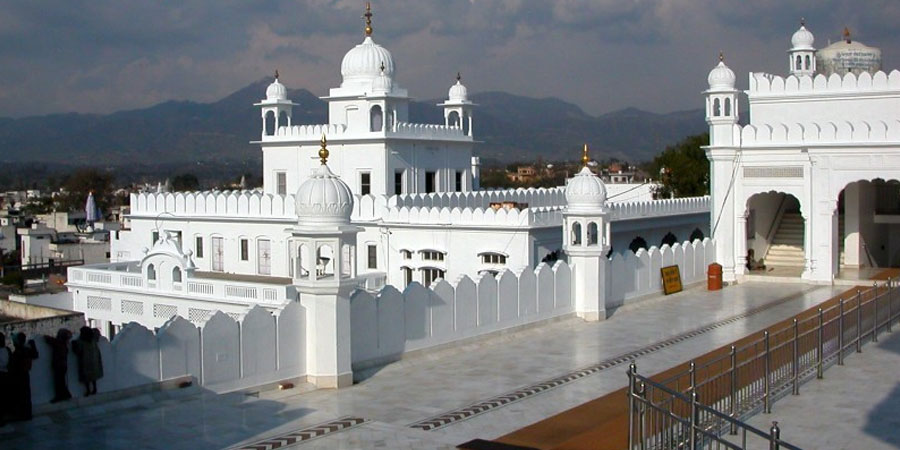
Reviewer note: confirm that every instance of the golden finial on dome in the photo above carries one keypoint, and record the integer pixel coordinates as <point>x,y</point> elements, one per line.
<point>721,57</point>
<point>458,76</point>
<point>368,15</point>
<point>276,74</point>
<point>323,152</point>
<point>802,21</point>
<point>847,34</point>
<point>585,159</point>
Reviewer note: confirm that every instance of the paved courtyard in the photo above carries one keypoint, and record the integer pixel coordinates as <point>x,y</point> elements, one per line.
<point>482,389</point>
<point>854,406</point>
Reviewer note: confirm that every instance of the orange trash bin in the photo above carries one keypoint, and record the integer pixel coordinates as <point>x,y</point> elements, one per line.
<point>714,277</point>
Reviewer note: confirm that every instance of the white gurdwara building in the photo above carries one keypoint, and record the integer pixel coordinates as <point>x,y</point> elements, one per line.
<point>809,184</point>
<point>371,204</point>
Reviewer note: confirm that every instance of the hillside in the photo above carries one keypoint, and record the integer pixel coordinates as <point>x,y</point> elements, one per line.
<point>509,127</point>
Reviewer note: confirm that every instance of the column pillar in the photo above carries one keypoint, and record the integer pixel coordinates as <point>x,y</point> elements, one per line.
<point>328,358</point>
<point>852,228</point>
<point>590,274</point>
<point>740,244</point>
<point>820,241</point>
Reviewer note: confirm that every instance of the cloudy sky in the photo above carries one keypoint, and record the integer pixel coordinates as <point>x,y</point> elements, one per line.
<point>107,55</point>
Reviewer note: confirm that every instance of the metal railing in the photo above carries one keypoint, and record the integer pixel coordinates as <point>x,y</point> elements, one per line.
<point>698,407</point>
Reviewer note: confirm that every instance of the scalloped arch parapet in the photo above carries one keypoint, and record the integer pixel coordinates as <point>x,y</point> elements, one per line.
<point>765,84</point>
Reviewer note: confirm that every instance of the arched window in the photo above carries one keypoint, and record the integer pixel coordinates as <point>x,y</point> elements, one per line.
<point>302,263</point>
<point>717,108</point>
<point>696,234</point>
<point>592,236</point>
<point>453,119</point>
<point>390,119</point>
<point>376,117</point>
<point>283,120</point>
<point>576,233</point>
<point>807,62</point>
<point>176,275</point>
<point>270,123</point>
<point>151,272</point>
<point>465,124</point>
<point>727,107</point>
<point>637,244</point>
<point>669,239</point>
<point>799,62</point>
<point>324,261</point>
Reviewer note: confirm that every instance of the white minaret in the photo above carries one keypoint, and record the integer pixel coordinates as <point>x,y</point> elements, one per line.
<point>586,241</point>
<point>325,272</point>
<point>721,105</point>
<point>724,132</point>
<point>458,108</point>
<point>275,109</point>
<point>802,55</point>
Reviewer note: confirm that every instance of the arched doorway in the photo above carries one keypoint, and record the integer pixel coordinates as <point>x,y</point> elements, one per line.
<point>775,235</point>
<point>868,221</point>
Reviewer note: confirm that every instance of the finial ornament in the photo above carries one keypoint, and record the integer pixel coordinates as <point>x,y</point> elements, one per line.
<point>276,74</point>
<point>368,15</point>
<point>382,67</point>
<point>721,57</point>
<point>458,76</point>
<point>585,159</point>
<point>802,21</point>
<point>847,34</point>
<point>323,152</point>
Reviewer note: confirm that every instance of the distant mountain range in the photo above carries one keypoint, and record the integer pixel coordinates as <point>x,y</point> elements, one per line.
<point>509,127</point>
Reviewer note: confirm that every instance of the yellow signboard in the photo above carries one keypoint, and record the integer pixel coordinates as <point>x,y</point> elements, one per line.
<point>671,279</point>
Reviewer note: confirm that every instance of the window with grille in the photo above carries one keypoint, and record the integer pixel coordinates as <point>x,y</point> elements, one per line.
<point>407,275</point>
<point>365,183</point>
<point>430,182</point>
<point>198,247</point>
<point>372,256</point>
<point>406,254</point>
<point>432,255</point>
<point>398,182</point>
<point>493,258</point>
<point>430,274</point>
<point>459,181</point>
<point>281,183</point>
<point>245,249</point>
<point>264,257</point>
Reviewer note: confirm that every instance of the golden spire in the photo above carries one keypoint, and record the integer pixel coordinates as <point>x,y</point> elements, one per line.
<point>847,34</point>
<point>368,15</point>
<point>584,156</point>
<point>721,57</point>
<point>458,76</point>
<point>276,74</point>
<point>802,21</point>
<point>323,152</point>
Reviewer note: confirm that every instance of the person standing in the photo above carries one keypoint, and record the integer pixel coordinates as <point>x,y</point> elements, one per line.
<point>20,377</point>
<point>60,363</point>
<point>90,364</point>
<point>5,355</point>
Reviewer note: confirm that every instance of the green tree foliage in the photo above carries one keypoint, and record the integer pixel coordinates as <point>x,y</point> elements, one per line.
<point>82,182</point>
<point>683,169</point>
<point>185,182</point>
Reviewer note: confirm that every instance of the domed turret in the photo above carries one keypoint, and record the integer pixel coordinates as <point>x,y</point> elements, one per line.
<point>458,92</point>
<point>802,39</point>
<point>585,191</point>
<point>276,91</point>
<point>365,62</point>
<point>383,83</point>
<point>721,77</point>
<point>324,198</point>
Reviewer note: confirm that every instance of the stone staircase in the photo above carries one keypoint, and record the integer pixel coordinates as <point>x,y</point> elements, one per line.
<point>787,245</point>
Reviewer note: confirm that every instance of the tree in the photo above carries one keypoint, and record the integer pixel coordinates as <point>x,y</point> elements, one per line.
<point>185,182</point>
<point>82,182</point>
<point>682,168</point>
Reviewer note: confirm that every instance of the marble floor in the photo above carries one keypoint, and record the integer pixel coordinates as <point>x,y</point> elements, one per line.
<point>410,391</point>
<point>858,401</point>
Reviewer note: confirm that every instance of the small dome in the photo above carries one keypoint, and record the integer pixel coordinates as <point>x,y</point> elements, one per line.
<point>276,90</point>
<point>458,92</point>
<point>721,77</point>
<point>803,39</point>
<point>585,191</point>
<point>324,199</point>
<point>382,84</point>
<point>364,62</point>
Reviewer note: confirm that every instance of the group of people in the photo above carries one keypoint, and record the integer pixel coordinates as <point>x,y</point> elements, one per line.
<point>15,368</point>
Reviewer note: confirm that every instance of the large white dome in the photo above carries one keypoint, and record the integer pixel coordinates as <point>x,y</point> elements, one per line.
<point>585,192</point>
<point>721,77</point>
<point>363,62</point>
<point>324,199</point>
<point>802,39</point>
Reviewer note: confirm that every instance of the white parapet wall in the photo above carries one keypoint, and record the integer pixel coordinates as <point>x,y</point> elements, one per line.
<point>221,354</point>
